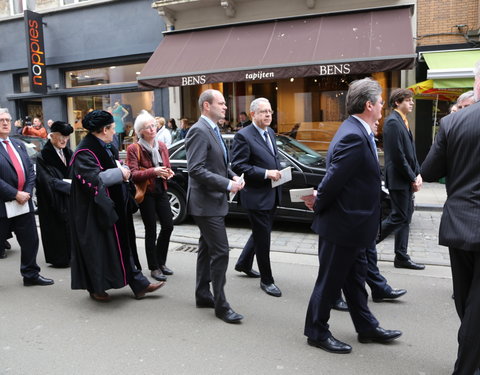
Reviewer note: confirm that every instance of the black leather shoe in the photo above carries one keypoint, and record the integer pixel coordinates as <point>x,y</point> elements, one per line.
<point>229,316</point>
<point>205,304</point>
<point>165,270</point>
<point>271,289</point>
<point>3,255</point>
<point>379,335</point>
<point>249,273</point>
<point>331,345</point>
<point>340,305</point>
<point>158,275</point>
<point>7,245</point>
<point>39,280</point>
<point>410,264</point>
<point>393,294</point>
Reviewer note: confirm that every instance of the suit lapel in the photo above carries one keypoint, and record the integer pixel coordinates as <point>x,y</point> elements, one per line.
<point>4,153</point>
<point>261,140</point>
<point>367,137</point>
<point>214,136</point>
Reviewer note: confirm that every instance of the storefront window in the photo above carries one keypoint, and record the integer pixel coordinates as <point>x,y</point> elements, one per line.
<point>103,75</point>
<point>124,107</point>
<point>309,108</point>
<point>46,4</point>
<point>24,83</point>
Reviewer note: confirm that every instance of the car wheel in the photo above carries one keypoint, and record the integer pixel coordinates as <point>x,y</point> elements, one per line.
<point>178,205</point>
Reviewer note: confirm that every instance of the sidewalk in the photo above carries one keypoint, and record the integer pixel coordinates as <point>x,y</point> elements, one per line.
<point>298,239</point>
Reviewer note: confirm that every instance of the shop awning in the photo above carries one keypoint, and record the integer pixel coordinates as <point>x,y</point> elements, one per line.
<point>353,43</point>
<point>451,69</point>
<point>426,90</point>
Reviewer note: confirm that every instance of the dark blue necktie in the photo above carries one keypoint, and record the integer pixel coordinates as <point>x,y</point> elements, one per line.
<point>372,139</point>
<point>268,142</point>
<point>219,137</point>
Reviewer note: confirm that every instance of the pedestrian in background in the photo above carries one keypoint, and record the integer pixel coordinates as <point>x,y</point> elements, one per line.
<point>453,156</point>
<point>163,134</point>
<point>103,237</point>
<point>53,194</point>
<point>402,176</point>
<point>35,129</point>
<point>149,163</point>
<point>347,212</point>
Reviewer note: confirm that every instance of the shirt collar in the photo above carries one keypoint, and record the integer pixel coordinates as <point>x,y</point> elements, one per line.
<point>259,129</point>
<point>365,125</point>
<point>404,118</point>
<point>210,122</point>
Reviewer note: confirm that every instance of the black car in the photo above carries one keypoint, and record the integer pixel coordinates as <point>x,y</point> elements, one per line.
<point>308,169</point>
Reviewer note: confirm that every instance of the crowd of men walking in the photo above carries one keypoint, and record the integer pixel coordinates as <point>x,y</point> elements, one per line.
<point>87,198</point>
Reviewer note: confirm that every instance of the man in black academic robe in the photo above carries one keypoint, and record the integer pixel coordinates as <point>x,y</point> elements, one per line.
<point>53,195</point>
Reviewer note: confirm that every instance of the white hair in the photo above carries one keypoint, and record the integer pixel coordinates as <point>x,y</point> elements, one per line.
<point>465,96</point>
<point>141,120</point>
<point>4,110</point>
<point>254,104</point>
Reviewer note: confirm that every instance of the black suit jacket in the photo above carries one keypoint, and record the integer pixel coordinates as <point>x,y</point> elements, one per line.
<point>252,157</point>
<point>401,164</point>
<point>454,155</point>
<point>8,175</point>
<point>347,208</point>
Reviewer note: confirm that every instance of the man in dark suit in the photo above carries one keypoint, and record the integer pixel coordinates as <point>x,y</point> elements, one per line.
<point>402,176</point>
<point>17,179</point>
<point>347,213</point>
<point>243,121</point>
<point>210,180</point>
<point>254,154</point>
<point>453,156</point>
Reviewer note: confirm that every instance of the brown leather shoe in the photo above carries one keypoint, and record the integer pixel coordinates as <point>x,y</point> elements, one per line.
<point>149,289</point>
<point>100,297</point>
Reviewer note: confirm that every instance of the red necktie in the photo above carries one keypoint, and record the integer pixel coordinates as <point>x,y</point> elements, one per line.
<point>16,165</point>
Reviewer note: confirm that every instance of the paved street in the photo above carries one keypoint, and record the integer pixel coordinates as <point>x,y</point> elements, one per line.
<point>54,330</point>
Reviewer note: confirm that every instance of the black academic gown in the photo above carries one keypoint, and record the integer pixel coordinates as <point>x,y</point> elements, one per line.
<point>53,200</point>
<point>103,235</point>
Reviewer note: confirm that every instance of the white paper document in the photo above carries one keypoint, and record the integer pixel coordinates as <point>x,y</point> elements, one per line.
<point>286,176</point>
<point>232,194</point>
<point>67,180</point>
<point>297,194</point>
<point>16,209</point>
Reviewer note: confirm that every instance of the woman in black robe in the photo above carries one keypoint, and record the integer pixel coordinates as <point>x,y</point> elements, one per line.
<point>103,235</point>
<point>53,195</point>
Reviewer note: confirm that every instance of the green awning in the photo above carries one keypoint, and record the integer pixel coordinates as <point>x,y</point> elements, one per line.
<point>452,69</point>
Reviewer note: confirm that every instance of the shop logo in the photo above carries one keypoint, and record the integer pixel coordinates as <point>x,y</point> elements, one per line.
<point>259,75</point>
<point>194,80</point>
<point>37,71</point>
<point>334,69</point>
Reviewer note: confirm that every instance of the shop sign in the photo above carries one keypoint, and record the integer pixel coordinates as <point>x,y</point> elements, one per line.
<point>334,69</point>
<point>259,75</point>
<point>194,80</point>
<point>37,69</point>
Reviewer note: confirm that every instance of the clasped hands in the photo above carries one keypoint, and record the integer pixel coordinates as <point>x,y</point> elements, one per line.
<point>164,172</point>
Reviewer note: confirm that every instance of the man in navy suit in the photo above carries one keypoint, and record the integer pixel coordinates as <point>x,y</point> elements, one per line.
<point>347,215</point>
<point>254,154</point>
<point>454,156</point>
<point>402,176</point>
<point>17,179</point>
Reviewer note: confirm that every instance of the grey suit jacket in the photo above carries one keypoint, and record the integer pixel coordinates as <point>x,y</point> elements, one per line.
<point>208,173</point>
<point>401,164</point>
<point>454,155</point>
<point>8,175</point>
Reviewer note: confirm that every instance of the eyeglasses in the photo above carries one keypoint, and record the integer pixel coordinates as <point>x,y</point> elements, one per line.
<point>5,120</point>
<point>266,112</point>
<point>148,127</point>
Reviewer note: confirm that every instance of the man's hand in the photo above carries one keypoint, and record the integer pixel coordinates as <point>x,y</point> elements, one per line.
<point>273,174</point>
<point>237,184</point>
<point>125,173</point>
<point>417,184</point>
<point>310,200</point>
<point>22,197</point>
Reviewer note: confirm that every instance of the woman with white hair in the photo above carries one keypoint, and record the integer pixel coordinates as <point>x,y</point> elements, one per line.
<point>149,162</point>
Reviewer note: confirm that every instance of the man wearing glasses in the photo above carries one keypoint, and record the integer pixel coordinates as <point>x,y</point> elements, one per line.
<point>255,155</point>
<point>17,179</point>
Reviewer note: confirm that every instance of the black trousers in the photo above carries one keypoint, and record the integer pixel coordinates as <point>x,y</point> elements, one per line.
<point>156,205</point>
<point>399,221</point>
<point>344,268</point>
<point>259,244</point>
<point>466,288</point>
<point>25,230</point>
<point>212,261</point>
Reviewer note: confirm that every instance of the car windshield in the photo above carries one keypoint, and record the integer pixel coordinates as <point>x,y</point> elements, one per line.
<point>303,154</point>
